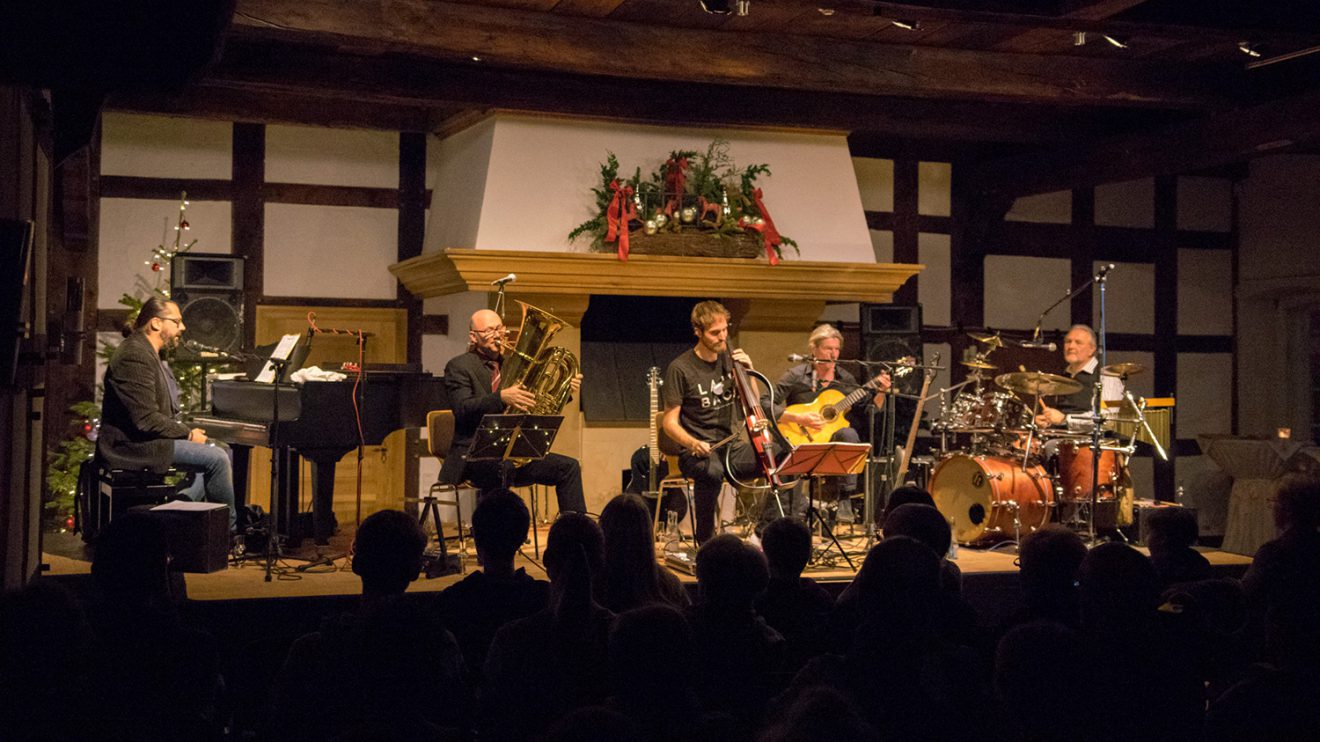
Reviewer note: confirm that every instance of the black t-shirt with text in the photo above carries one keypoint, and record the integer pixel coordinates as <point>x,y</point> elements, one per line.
<point>704,391</point>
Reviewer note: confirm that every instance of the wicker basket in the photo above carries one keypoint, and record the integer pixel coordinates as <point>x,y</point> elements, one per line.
<point>702,244</point>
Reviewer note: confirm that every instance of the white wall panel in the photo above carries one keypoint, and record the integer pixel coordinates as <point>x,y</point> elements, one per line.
<point>336,252</point>
<point>1204,394</point>
<point>875,180</point>
<point>1205,292</point>
<point>1205,204</point>
<point>165,147</point>
<point>343,157</point>
<point>933,282</point>
<point>1017,290</point>
<point>1129,298</point>
<point>131,228</point>
<point>1050,208</point>
<point>1142,384</point>
<point>934,189</point>
<point>1127,204</point>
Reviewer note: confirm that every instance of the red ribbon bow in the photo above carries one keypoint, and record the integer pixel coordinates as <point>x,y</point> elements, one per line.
<point>769,234</point>
<point>621,210</point>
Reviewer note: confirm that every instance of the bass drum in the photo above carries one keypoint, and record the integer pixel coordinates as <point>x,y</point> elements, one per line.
<point>982,496</point>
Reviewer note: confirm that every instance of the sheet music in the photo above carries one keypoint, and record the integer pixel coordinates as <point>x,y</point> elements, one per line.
<point>282,352</point>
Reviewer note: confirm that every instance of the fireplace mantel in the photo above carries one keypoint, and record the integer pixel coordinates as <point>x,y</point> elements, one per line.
<point>455,270</point>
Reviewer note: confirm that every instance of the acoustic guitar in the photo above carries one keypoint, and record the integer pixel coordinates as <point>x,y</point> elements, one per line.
<point>833,406</point>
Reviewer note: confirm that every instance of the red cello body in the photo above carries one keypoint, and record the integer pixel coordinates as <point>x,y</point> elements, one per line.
<point>760,427</point>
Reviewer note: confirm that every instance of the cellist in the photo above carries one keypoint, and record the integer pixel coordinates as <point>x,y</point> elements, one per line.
<point>702,408</point>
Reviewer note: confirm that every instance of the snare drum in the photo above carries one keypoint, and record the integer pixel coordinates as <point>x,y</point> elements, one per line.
<point>989,499</point>
<point>1075,459</point>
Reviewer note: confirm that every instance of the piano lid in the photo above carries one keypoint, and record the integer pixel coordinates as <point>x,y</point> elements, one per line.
<point>248,400</point>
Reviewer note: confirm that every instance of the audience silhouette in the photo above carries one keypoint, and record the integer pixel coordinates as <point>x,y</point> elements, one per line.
<point>632,577</point>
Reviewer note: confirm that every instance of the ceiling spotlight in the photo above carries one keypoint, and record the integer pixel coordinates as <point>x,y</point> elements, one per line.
<point>1249,49</point>
<point>1079,38</point>
<point>726,7</point>
<point>827,12</point>
<point>906,25</point>
<point>1115,41</point>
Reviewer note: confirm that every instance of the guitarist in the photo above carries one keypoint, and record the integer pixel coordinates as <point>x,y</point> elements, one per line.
<point>803,383</point>
<point>700,411</point>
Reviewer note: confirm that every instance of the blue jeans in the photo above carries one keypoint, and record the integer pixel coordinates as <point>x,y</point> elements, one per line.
<point>215,476</point>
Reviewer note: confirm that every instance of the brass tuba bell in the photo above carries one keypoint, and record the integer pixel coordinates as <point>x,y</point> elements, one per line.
<point>543,370</point>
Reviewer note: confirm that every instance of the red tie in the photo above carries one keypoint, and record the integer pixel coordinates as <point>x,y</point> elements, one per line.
<point>494,376</point>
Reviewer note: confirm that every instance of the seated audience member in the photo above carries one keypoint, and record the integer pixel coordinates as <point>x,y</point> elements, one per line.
<point>908,681</point>
<point>44,646</point>
<point>632,576</point>
<point>1038,666</point>
<point>594,724</point>
<point>739,657</point>
<point>1048,560</point>
<point>908,494</point>
<point>795,606</point>
<point>1171,535</point>
<point>406,668</point>
<point>927,525</point>
<point>1131,658</point>
<point>154,678</point>
<point>478,605</point>
<point>820,715</point>
<point>1284,576</point>
<point>554,661</point>
<point>652,670</point>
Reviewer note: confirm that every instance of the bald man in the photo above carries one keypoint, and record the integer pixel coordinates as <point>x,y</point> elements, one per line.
<point>474,392</point>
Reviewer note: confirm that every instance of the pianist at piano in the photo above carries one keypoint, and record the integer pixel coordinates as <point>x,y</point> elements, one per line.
<point>140,424</point>
<point>473,383</point>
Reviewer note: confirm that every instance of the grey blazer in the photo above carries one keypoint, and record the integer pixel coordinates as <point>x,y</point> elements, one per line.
<point>138,428</point>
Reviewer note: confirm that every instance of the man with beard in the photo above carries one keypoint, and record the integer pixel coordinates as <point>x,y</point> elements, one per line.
<point>473,382</point>
<point>140,425</point>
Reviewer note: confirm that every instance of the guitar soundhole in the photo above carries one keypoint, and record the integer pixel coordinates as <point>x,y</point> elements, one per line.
<point>828,414</point>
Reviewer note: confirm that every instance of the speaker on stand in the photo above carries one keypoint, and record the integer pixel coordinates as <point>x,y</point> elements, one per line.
<point>209,291</point>
<point>889,333</point>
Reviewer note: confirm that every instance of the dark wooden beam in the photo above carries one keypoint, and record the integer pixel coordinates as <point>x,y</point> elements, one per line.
<point>274,71</point>
<point>308,194</point>
<point>1095,10</point>
<point>1219,139</point>
<point>527,40</point>
<point>265,107</point>
<point>198,189</point>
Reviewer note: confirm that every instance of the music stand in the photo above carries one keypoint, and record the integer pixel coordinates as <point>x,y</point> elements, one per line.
<point>514,440</point>
<point>818,460</point>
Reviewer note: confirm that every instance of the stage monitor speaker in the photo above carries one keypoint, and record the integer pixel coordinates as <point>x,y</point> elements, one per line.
<point>209,290</point>
<point>889,333</point>
<point>197,533</point>
<point>15,247</point>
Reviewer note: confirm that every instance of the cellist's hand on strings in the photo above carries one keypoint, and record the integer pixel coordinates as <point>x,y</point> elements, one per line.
<point>741,356</point>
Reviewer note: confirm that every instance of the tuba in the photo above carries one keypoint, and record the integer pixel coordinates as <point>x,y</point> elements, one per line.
<point>542,370</point>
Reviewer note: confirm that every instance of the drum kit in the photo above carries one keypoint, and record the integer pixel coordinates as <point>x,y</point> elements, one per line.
<point>997,475</point>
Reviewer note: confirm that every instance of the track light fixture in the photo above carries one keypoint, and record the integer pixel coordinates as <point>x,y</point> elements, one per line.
<point>1249,49</point>
<point>906,25</point>
<point>726,7</point>
<point>1115,41</point>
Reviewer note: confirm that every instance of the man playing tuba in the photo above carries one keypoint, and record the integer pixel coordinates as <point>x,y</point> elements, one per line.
<point>473,382</point>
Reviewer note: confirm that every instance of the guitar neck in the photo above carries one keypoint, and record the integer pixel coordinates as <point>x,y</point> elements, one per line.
<point>847,402</point>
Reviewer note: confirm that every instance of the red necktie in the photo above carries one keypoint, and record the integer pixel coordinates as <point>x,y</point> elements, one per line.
<point>494,376</point>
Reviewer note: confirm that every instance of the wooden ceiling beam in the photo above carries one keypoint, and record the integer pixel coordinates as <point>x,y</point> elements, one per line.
<point>275,72</point>
<point>1220,139</point>
<point>530,40</point>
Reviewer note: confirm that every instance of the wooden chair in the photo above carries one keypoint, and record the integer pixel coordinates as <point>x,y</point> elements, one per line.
<point>675,480</point>
<point>439,437</point>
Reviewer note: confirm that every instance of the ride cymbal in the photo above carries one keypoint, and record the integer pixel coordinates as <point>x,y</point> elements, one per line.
<point>979,363</point>
<point>1122,370</point>
<point>1038,383</point>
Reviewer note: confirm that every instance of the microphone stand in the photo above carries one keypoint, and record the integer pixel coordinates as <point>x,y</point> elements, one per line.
<point>1096,415</point>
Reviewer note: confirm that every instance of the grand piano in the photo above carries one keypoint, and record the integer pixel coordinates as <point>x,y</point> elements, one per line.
<point>316,422</point>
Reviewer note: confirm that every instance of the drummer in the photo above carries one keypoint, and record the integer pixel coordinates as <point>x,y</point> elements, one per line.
<point>1073,411</point>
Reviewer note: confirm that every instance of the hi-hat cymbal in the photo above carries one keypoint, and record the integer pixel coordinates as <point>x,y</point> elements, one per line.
<point>1123,369</point>
<point>1038,383</point>
<point>980,363</point>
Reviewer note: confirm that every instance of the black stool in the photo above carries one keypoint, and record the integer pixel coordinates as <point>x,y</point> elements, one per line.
<point>111,492</point>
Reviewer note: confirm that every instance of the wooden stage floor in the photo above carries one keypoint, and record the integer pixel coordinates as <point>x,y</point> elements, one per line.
<point>246,581</point>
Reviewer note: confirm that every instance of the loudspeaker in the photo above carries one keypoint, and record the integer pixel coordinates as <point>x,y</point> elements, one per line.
<point>209,291</point>
<point>888,334</point>
<point>197,534</point>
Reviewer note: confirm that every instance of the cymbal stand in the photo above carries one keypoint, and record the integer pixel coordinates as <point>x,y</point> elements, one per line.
<point>1097,417</point>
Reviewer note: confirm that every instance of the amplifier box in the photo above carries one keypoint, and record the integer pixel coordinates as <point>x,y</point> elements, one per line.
<point>197,533</point>
<point>1141,512</point>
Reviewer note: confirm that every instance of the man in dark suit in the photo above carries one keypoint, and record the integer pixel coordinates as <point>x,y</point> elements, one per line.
<point>473,382</point>
<point>140,427</point>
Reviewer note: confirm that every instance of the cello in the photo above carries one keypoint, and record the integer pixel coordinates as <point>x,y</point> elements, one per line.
<point>760,428</point>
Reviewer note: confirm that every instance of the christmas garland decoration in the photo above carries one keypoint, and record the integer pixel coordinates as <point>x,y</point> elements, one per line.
<point>690,192</point>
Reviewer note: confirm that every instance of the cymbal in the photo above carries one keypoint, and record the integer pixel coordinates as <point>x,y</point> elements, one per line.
<point>1122,369</point>
<point>1038,383</point>
<point>992,340</point>
<point>979,363</point>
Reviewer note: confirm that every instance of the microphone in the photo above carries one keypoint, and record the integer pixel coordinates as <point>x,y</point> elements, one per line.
<point>194,345</point>
<point>507,279</point>
<point>1051,347</point>
<point>798,358</point>
<point>1104,269</point>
